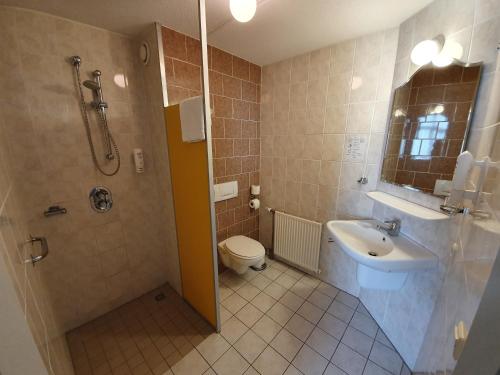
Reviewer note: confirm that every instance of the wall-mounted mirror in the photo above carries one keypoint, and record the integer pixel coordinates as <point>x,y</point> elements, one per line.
<point>428,126</point>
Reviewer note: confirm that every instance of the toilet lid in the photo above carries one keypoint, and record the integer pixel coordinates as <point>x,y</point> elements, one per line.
<point>245,247</point>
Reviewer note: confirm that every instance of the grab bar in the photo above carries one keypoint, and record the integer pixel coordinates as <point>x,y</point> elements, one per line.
<point>45,249</point>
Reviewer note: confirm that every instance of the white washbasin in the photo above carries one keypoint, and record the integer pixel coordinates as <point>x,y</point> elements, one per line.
<point>369,246</point>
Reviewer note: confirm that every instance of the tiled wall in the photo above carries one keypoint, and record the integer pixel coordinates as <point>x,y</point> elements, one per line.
<point>315,107</point>
<point>419,318</point>
<point>96,261</point>
<point>428,125</point>
<point>235,101</point>
<point>475,25</point>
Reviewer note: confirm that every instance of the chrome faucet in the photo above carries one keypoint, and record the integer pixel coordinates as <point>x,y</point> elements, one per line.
<point>392,227</point>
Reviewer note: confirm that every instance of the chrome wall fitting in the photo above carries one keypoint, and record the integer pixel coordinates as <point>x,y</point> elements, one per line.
<point>55,210</point>
<point>101,199</point>
<point>45,250</point>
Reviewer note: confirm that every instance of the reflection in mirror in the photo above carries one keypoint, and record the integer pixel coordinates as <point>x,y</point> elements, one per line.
<point>429,124</point>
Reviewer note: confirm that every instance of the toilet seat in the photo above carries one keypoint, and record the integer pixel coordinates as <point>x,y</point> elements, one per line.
<point>244,247</point>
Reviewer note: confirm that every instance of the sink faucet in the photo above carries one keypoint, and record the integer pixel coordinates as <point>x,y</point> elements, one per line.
<point>392,227</point>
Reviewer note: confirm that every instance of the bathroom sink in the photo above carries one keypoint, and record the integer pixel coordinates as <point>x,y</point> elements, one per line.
<point>369,246</point>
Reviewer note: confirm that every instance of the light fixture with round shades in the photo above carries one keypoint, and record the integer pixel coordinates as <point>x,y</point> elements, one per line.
<point>425,51</point>
<point>451,51</point>
<point>243,10</point>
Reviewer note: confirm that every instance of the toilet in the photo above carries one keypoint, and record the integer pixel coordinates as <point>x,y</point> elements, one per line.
<point>240,252</point>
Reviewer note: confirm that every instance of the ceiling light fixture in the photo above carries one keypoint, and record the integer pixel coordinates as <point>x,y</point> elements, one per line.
<point>243,10</point>
<point>425,51</point>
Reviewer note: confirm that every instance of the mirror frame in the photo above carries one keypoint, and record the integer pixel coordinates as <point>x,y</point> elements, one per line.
<point>467,127</point>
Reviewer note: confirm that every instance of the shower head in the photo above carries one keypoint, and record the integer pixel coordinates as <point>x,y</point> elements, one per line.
<point>93,85</point>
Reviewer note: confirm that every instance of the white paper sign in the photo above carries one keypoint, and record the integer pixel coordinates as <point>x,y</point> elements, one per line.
<point>355,147</point>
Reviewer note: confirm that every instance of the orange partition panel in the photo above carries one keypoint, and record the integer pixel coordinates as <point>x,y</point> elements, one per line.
<point>190,185</point>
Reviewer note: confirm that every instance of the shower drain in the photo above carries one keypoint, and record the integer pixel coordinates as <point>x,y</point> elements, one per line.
<point>372,253</point>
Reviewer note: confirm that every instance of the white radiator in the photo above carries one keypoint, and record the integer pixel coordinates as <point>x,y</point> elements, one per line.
<point>297,240</point>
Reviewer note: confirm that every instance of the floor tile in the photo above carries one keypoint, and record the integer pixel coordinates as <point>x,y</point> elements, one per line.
<point>263,302</point>
<point>266,328</point>
<point>248,291</point>
<point>232,280</point>
<point>327,289</point>
<point>224,291</point>
<point>310,312</point>
<point>341,311</point>
<point>348,360</point>
<point>323,343</point>
<point>270,362</point>
<point>362,309</point>
<point>234,303</point>
<point>192,364</point>
<point>358,341</point>
<point>320,300</point>
<point>233,329</point>
<point>347,299</point>
<point>299,327</point>
<point>231,363</point>
<point>295,273</point>
<point>332,326</point>
<point>286,280</point>
<point>249,315</point>
<point>372,369</point>
<point>280,266</point>
<point>249,275</point>
<point>280,313</point>
<point>301,289</point>
<point>250,346</point>
<point>251,371</point>
<point>334,370</point>
<point>225,314</point>
<point>209,372</point>
<point>365,324</point>
<point>271,273</point>
<point>291,370</point>
<point>286,344</point>
<point>213,347</point>
<point>382,338</point>
<point>386,358</point>
<point>310,362</point>
<point>292,301</point>
<point>260,282</point>
<point>310,280</point>
<point>275,290</point>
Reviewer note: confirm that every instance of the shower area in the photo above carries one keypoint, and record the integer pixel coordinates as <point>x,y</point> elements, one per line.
<point>87,230</point>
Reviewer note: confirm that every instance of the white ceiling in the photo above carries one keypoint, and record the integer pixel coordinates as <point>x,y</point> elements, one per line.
<point>280,28</point>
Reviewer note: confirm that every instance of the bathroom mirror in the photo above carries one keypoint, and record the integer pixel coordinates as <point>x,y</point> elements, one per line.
<point>428,125</point>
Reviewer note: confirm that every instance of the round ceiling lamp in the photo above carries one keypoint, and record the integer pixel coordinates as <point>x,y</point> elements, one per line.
<point>425,51</point>
<point>243,10</point>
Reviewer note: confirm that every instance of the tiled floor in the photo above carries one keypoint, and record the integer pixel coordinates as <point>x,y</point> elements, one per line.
<point>278,321</point>
<point>281,321</point>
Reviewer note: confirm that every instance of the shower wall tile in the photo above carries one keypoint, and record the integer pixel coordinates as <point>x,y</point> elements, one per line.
<point>235,86</point>
<point>96,261</point>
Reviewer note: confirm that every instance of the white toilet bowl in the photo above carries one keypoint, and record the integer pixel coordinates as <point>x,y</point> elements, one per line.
<point>241,252</point>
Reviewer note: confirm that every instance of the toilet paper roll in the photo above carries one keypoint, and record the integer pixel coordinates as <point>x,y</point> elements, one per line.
<point>254,203</point>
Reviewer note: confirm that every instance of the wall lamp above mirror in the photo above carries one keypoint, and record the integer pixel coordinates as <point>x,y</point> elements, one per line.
<point>439,50</point>
<point>428,125</point>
